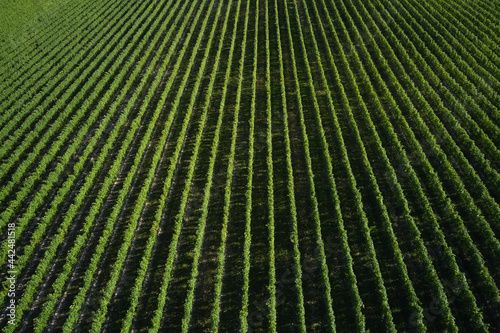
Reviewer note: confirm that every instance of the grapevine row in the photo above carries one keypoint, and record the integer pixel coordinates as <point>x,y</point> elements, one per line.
<point>410,173</point>
<point>471,176</point>
<point>436,153</point>
<point>215,315</point>
<point>54,175</point>
<point>248,192</point>
<point>28,294</point>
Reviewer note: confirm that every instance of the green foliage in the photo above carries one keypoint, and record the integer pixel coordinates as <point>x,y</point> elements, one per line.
<point>97,101</point>
<point>21,20</point>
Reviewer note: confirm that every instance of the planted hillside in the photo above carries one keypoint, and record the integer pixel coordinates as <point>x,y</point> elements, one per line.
<point>254,165</point>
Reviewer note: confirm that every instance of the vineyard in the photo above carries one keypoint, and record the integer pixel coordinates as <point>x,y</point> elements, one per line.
<point>250,166</point>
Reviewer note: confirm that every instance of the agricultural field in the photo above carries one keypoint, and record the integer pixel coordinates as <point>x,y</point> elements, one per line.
<point>250,166</point>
